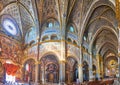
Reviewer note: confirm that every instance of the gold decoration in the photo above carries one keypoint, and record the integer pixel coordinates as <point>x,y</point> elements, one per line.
<point>118,12</point>
<point>80,65</point>
<point>62,61</point>
<point>112,64</point>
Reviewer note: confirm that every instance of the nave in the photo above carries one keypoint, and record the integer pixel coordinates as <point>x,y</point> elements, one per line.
<point>62,42</point>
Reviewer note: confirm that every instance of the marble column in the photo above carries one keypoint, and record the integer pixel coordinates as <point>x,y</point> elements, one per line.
<point>102,72</point>
<point>43,75</point>
<point>90,69</point>
<point>68,77</point>
<point>80,72</point>
<point>62,72</point>
<point>62,58</point>
<point>23,73</point>
<point>119,67</point>
<point>80,68</point>
<point>37,73</point>
<point>98,66</point>
<point>119,52</point>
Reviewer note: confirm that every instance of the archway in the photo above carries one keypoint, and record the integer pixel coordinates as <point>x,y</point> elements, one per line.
<point>29,70</point>
<point>85,71</point>
<point>71,70</point>
<point>111,66</point>
<point>49,69</point>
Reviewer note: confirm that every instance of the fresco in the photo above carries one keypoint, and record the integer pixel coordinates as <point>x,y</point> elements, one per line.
<point>10,49</point>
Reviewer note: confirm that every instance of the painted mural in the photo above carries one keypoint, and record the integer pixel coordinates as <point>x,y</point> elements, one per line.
<point>10,50</point>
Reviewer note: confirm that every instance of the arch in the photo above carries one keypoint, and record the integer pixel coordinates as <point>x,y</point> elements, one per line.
<point>103,45</point>
<point>89,13</point>
<point>108,51</point>
<point>74,57</point>
<point>23,61</point>
<point>69,40</point>
<point>74,28</point>
<point>49,53</point>
<point>74,42</point>
<point>111,65</point>
<point>101,17</point>
<point>51,19</point>
<point>99,31</point>
<point>44,38</point>
<point>29,34</point>
<point>50,27</point>
<point>54,37</point>
<point>29,70</point>
<point>49,67</point>
<point>71,69</point>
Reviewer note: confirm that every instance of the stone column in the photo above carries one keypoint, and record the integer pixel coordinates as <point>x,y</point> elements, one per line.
<point>102,72</point>
<point>62,58</point>
<point>119,52</point>
<point>68,75</point>
<point>118,19</point>
<point>62,72</point>
<point>98,66</point>
<point>90,69</point>
<point>23,73</point>
<point>119,68</point>
<point>37,73</point>
<point>43,75</point>
<point>80,72</point>
<point>80,68</point>
<point>101,66</point>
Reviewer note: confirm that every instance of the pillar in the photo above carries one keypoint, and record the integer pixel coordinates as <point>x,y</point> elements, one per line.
<point>62,72</point>
<point>43,75</point>
<point>119,52</point>
<point>80,68</point>
<point>80,73</point>
<point>62,57</point>
<point>90,69</point>
<point>23,72</point>
<point>102,72</point>
<point>98,67</point>
<point>118,18</point>
<point>37,73</point>
<point>119,68</point>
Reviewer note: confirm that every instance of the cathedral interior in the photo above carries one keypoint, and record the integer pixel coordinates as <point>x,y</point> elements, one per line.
<point>59,41</point>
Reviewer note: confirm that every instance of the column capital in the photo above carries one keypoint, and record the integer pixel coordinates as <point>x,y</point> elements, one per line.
<point>38,62</point>
<point>118,54</point>
<point>62,61</point>
<point>97,54</point>
<point>90,68</point>
<point>80,65</point>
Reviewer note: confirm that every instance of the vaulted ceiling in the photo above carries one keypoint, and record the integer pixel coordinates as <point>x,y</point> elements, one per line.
<point>94,19</point>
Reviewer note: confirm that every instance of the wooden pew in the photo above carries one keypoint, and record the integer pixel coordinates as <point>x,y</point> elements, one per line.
<point>105,82</point>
